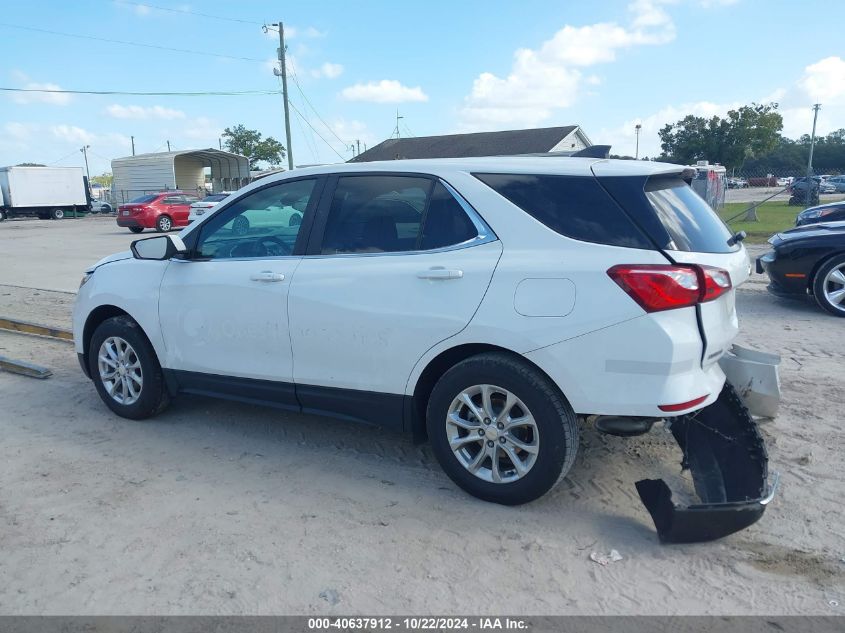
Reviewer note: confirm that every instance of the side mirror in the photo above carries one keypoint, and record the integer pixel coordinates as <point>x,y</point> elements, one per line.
<point>161,247</point>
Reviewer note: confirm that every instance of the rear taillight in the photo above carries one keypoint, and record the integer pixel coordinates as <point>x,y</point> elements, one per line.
<point>716,282</point>
<point>657,287</point>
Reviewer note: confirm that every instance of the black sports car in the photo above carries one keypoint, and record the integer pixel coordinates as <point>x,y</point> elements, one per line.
<point>809,260</point>
<point>831,212</point>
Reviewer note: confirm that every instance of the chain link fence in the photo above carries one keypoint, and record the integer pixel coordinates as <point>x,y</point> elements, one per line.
<point>762,204</point>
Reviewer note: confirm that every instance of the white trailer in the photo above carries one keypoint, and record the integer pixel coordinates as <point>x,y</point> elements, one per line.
<point>46,192</point>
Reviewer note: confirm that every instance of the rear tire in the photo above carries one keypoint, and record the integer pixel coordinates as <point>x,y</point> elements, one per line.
<point>139,388</point>
<point>57,214</point>
<point>829,286</point>
<point>2,215</point>
<point>545,447</point>
<point>136,229</point>
<point>164,224</point>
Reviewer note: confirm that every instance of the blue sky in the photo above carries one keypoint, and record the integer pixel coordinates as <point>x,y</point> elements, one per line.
<point>447,67</point>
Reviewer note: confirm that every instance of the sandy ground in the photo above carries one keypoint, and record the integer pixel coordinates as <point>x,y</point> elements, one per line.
<point>222,508</point>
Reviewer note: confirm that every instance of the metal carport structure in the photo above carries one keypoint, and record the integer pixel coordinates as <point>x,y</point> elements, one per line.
<point>183,169</point>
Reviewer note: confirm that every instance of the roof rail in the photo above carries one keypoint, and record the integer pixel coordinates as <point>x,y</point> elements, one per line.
<point>593,151</point>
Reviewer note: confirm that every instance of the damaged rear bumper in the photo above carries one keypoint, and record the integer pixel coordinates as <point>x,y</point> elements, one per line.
<point>726,456</point>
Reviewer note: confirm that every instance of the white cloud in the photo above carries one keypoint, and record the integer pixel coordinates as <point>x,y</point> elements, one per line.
<point>20,132</point>
<point>384,91</point>
<point>709,4</point>
<point>203,129</point>
<point>550,77</point>
<point>71,134</point>
<point>314,32</point>
<point>821,82</point>
<point>824,81</point>
<point>53,98</point>
<point>328,70</point>
<point>141,112</point>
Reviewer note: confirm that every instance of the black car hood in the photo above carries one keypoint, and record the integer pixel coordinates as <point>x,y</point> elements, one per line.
<point>821,229</point>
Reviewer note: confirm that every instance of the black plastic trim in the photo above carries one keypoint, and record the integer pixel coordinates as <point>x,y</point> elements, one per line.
<point>386,410</point>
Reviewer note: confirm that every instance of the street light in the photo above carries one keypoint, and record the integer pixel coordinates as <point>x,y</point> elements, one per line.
<point>84,151</point>
<point>637,129</point>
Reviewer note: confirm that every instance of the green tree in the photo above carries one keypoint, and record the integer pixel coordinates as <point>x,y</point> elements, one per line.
<point>750,131</point>
<point>249,143</point>
<point>104,179</point>
<point>30,165</point>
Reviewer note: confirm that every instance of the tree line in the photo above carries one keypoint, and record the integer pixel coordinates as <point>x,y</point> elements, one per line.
<point>749,140</point>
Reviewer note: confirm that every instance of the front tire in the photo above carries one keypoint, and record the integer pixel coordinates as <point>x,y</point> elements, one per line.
<point>164,224</point>
<point>136,229</point>
<point>500,429</point>
<point>829,286</point>
<point>57,214</point>
<point>125,369</point>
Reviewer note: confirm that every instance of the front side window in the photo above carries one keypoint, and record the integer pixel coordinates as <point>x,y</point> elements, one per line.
<point>264,223</point>
<point>389,214</point>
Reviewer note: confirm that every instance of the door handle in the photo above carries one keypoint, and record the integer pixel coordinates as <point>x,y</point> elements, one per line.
<point>266,275</point>
<point>440,273</point>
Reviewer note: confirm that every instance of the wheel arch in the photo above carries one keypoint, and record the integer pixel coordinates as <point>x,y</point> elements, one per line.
<point>439,365</point>
<point>811,278</point>
<point>96,317</point>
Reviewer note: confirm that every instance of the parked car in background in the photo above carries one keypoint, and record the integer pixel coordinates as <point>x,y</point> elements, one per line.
<point>201,207</point>
<point>161,211</point>
<point>737,183</point>
<point>808,260</point>
<point>784,181</point>
<point>831,212</point>
<point>825,186</point>
<point>838,182</point>
<point>438,298</point>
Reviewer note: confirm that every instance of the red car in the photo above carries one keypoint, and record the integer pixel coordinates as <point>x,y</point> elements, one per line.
<point>160,211</point>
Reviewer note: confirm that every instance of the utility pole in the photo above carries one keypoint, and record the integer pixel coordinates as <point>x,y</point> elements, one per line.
<point>133,144</point>
<point>84,151</point>
<point>637,129</point>
<point>168,146</point>
<point>220,143</point>
<point>284,75</point>
<point>358,144</point>
<point>812,146</point>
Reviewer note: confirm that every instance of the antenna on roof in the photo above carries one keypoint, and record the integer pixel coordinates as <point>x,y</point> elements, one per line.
<point>396,129</point>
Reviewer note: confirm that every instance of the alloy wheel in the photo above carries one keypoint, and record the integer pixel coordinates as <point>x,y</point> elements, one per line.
<point>120,370</point>
<point>492,433</point>
<point>834,287</point>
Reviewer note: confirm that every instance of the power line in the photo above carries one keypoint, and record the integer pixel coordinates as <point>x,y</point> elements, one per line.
<point>308,123</point>
<point>73,153</point>
<point>213,93</point>
<point>128,43</point>
<point>308,101</point>
<point>188,12</point>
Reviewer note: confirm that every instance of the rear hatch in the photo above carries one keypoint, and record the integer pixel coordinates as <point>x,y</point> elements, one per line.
<point>687,231</point>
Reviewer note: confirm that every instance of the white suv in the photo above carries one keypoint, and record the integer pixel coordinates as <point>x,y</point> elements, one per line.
<point>486,304</point>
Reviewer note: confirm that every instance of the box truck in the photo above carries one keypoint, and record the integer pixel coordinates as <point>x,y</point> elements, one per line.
<point>45,192</point>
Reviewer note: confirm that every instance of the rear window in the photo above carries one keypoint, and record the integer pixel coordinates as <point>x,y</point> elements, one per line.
<point>143,199</point>
<point>217,197</point>
<point>574,206</point>
<point>689,221</point>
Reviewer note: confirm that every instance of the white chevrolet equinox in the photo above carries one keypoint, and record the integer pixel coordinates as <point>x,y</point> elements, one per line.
<point>487,305</point>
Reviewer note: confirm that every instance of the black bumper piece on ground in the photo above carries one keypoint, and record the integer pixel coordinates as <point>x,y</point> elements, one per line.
<point>729,465</point>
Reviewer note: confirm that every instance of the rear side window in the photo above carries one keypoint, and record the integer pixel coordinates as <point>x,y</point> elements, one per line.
<point>389,214</point>
<point>143,199</point>
<point>573,206</point>
<point>690,222</point>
